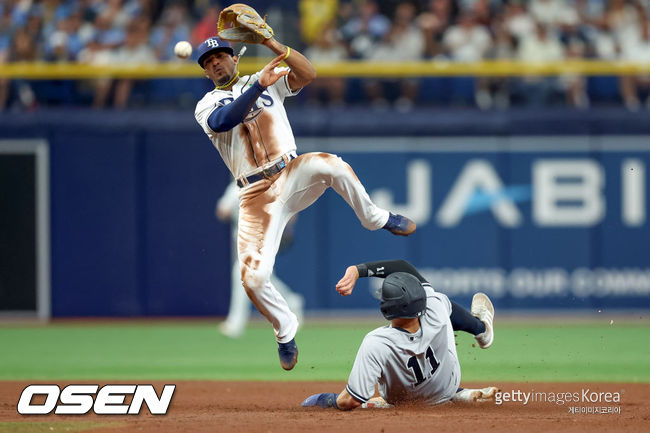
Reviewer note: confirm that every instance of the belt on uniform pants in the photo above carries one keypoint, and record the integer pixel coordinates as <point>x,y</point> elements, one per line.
<point>266,173</point>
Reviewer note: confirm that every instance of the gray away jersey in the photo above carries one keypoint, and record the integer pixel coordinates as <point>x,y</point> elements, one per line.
<point>410,367</point>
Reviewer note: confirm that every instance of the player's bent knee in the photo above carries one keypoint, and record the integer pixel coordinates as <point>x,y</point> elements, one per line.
<point>254,279</point>
<point>341,168</point>
<point>330,165</point>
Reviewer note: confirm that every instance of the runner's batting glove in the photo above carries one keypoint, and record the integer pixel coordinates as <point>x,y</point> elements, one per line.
<point>324,400</point>
<point>376,403</point>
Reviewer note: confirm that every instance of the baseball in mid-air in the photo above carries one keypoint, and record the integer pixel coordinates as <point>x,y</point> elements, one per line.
<point>183,49</point>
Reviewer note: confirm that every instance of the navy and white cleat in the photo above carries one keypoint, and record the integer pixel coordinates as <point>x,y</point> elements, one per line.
<point>288,353</point>
<point>399,225</point>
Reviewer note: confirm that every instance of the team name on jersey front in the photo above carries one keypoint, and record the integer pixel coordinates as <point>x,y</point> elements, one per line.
<point>256,109</point>
<point>264,135</point>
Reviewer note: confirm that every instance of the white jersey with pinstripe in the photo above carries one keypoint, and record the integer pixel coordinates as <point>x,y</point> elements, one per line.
<point>264,136</point>
<point>422,366</point>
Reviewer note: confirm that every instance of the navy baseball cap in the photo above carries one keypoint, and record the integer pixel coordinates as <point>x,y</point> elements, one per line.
<point>211,45</point>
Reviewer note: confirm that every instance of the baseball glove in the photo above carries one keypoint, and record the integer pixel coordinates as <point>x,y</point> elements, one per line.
<point>241,23</point>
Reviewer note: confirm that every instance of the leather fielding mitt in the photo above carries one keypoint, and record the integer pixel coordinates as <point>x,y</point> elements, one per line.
<point>241,23</point>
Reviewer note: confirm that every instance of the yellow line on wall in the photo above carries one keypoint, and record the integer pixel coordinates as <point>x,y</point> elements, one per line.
<point>497,68</point>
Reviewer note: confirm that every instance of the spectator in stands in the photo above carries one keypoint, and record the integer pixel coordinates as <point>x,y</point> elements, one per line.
<point>637,50</point>
<point>563,19</point>
<point>103,38</point>
<point>600,41</point>
<point>139,9</point>
<point>517,20</point>
<point>482,10</point>
<point>553,14</point>
<point>627,23</point>
<point>114,12</point>
<point>34,26</point>
<point>174,27</point>
<point>207,26</point>
<point>18,11</point>
<point>106,35</point>
<point>24,48</point>
<point>433,22</point>
<point>622,19</point>
<point>365,29</point>
<point>17,19</point>
<point>328,48</point>
<point>590,12</point>
<point>576,47</point>
<point>502,48</point>
<point>65,43</point>
<point>504,42</point>
<point>469,41</point>
<point>404,42</point>
<point>543,45</point>
<point>135,50</point>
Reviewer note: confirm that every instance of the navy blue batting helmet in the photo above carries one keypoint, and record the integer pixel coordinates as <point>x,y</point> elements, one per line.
<point>402,297</point>
<point>211,45</point>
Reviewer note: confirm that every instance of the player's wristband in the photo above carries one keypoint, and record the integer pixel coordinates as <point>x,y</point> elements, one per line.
<point>363,270</point>
<point>287,54</point>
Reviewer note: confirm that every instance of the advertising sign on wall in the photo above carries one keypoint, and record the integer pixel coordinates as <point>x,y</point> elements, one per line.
<point>536,222</point>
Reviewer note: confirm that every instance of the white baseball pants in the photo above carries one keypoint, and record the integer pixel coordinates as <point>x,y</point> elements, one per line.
<point>266,206</point>
<point>240,306</point>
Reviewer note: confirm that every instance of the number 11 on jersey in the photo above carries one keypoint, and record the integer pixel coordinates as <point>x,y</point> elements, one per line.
<point>414,365</point>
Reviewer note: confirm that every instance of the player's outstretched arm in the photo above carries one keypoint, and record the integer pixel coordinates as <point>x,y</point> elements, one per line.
<point>346,284</point>
<point>302,71</point>
<point>380,269</point>
<point>345,401</point>
<point>384,268</point>
<point>226,117</point>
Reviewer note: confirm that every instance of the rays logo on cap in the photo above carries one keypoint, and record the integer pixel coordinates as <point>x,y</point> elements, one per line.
<point>210,45</point>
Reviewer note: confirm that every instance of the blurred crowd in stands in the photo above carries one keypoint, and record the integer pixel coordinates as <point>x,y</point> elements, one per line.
<point>145,31</point>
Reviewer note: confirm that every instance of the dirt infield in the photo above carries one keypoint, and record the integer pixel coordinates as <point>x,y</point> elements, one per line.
<point>268,407</point>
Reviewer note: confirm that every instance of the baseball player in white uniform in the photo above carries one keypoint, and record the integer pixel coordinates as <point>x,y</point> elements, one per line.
<point>244,117</point>
<point>413,359</point>
<point>227,209</point>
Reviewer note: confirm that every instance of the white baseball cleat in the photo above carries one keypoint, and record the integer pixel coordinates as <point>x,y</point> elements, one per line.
<point>483,309</point>
<point>475,395</point>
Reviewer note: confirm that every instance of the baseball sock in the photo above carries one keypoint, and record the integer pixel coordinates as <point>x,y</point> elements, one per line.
<point>462,320</point>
